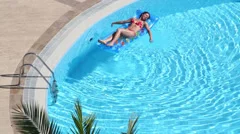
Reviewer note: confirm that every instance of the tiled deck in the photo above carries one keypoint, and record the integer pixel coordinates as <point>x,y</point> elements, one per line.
<point>26,26</point>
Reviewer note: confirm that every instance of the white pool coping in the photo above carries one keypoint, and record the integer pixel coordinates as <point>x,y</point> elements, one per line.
<point>62,42</point>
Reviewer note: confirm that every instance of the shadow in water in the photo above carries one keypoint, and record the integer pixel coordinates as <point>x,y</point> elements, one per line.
<point>86,62</point>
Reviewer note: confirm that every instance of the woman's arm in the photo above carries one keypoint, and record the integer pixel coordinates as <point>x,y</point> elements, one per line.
<point>149,31</point>
<point>122,22</point>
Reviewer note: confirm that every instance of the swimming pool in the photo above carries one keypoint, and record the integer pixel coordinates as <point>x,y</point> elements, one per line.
<point>186,81</point>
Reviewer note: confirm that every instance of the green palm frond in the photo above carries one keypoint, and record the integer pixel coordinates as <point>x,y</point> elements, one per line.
<point>77,118</point>
<point>132,125</point>
<point>83,125</point>
<point>30,119</point>
<point>89,126</point>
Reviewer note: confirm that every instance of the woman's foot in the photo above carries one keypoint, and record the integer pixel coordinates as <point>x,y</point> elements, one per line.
<point>110,44</point>
<point>102,42</point>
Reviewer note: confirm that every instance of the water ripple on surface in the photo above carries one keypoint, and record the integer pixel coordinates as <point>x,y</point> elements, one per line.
<point>187,81</point>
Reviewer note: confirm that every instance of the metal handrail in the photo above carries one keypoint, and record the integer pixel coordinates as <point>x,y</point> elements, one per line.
<point>20,75</point>
<point>53,87</point>
<point>17,75</point>
<point>22,68</point>
<point>20,87</point>
<point>31,53</point>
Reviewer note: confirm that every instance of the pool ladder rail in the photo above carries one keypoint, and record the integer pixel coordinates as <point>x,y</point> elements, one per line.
<point>53,87</point>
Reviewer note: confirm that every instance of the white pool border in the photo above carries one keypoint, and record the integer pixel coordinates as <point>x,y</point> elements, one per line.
<point>62,42</point>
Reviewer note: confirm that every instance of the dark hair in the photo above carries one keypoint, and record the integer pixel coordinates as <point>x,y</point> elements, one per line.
<point>144,13</point>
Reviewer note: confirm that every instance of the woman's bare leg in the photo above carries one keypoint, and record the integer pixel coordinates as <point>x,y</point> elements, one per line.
<point>107,40</point>
<point>123,32</point>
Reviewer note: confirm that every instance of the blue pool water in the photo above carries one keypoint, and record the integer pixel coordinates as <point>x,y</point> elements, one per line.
<point>186,81</point>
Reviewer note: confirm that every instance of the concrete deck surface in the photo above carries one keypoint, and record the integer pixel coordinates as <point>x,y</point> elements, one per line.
<point>28,25</point>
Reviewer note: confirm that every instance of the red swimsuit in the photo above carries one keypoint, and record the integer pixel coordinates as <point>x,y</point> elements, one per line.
<point>138,23</point>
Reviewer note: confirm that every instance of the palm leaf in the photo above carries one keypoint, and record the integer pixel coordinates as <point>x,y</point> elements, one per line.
<point>30,119</point>
<point>89,127</point>
<point>132,125</point>
<point>83,125</point>
<point>77,118</point>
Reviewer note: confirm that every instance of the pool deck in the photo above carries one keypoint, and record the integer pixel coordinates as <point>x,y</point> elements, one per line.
<point>28,26</point>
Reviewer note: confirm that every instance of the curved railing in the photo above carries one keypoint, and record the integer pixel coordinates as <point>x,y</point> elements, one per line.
<point>53,86</point>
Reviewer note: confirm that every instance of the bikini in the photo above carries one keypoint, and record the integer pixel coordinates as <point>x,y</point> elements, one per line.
<point>138,23</point>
